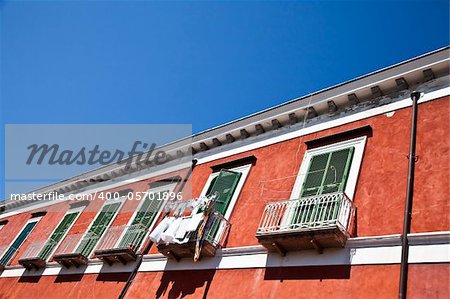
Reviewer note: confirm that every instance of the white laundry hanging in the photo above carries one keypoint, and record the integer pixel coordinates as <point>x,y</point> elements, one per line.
<point>194,222</point>
<point>181,231</point>
<point>169,234</point>
<point>155,236</point>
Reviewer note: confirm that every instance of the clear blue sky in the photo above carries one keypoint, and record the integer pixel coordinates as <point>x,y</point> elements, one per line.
<point>201,63</point>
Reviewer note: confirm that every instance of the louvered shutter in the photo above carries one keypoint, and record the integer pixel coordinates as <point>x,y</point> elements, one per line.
<point>314,177</point>
<point>327,173</point>
<point>17,243</point>
<point>225,186</point>
<point>99,226</point>
<point>58,234</point>
<point>143,219</point>
<point>337,171</point>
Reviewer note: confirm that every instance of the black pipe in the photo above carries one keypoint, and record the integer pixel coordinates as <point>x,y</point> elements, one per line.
<point>140,256</point>
<point>403,285</point>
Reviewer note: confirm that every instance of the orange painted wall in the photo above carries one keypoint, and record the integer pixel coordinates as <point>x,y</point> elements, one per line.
<point>425,281</point>
<point>64,286</point>
<point>379,198</point>
<point>380,281</point>
<point>380,192</point>
<point>380,189</point>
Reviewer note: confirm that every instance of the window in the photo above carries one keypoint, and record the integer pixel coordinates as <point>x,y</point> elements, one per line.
<point>327,172</point>
<point>230,185</point>
<point>18,241</point>
<point>224,185</point>
<point>145,216</point>
<point>98,227</point>
<point>324,170</point>
<point>59,233</point>
<point>330,168</point>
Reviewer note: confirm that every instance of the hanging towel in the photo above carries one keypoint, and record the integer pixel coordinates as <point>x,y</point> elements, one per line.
<point>169,234</point>
<point>155,236</point>
<point>181,232</point>
<point>194,222</point>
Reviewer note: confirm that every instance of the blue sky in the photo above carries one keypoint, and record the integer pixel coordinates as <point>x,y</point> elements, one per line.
<point>200,63</point>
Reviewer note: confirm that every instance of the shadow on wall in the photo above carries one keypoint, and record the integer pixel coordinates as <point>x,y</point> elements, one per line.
<point>30,279</point>
<point>309,272</point>
<point>184,283</point>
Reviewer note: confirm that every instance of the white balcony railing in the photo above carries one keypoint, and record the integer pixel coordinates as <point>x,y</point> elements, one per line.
<point>121,237</point>
<point>218,230</point>
<point>78,243</point>
<point>307,214</point>
<point>39,250</point>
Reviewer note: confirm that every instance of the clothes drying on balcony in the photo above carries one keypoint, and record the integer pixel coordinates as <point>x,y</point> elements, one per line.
<point>194,222</point>
<point>169,234</point>
<point>155,236</point>
<point>178,229</point>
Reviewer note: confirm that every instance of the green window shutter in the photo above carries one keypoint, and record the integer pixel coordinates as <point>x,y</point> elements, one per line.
<point>225,186</point>
<point>7,256</point>
<point>143,219</point>
<point>337,171</point>
<point>149,209</point>
<point>314,177</point>
<point>327,172</point>
<point>208,192</point>
<point>99,226</point>
<point>58,234</point>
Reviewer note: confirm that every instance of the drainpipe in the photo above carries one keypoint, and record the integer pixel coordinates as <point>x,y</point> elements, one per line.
<point>415,96</point>
<point>141,256</point>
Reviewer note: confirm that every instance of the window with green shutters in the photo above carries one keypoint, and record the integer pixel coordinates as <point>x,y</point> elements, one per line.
<point>327,173</point>
<point>98,227</point>
<point>142,220</point>
<point>58,234</point>
<point>9,253</point>
<point>224,185</point>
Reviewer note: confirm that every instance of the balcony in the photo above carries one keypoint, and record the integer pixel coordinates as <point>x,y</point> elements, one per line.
<point>315,222</point>
<point>75,250</point>
<point>214,237</point>
<point>121,243</point>
<point>36,254</point>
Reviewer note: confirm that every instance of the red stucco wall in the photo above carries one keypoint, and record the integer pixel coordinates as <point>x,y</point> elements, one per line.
<point>381,187</point>
<point>381,281</point>
<point>425,281</point>
<point>379,198</point>
<point>64,286</point>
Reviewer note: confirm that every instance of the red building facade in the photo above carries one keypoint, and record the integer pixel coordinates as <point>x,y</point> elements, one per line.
<point>310,203</point>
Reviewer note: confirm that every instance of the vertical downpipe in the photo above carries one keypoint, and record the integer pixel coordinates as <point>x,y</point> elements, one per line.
<point>403,285</point>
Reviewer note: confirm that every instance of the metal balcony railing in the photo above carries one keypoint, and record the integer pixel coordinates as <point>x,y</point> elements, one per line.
<point>215,233</point>
<point>9,252</point>
<point>39,249</point>
<point>217,230</point>
<point>123,237</point>
<point>78,244</point>
<point>37,253</point>
<point>333,210</point>
<point>76,249</point>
